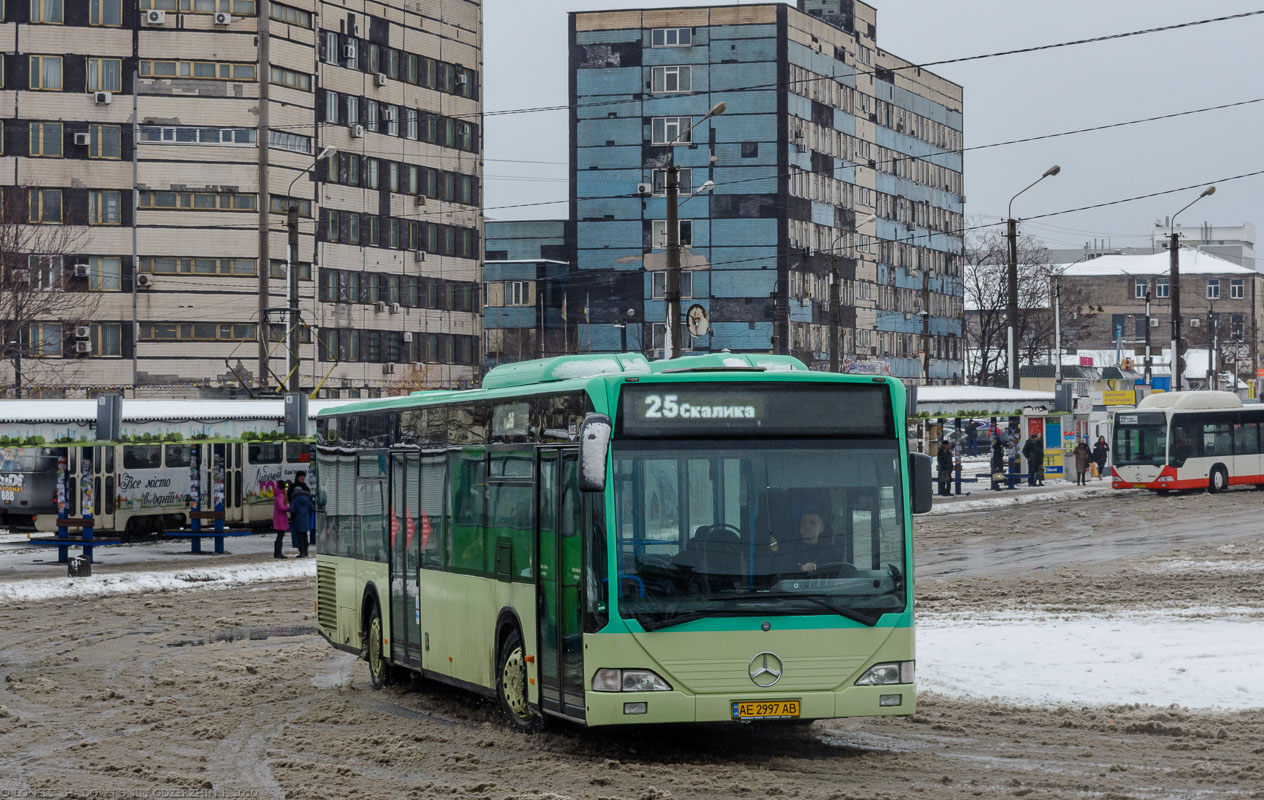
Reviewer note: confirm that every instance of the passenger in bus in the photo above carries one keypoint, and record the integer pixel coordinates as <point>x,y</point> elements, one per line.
<point>280,516</point>
<point>301,509</point>
<point>810,547</point>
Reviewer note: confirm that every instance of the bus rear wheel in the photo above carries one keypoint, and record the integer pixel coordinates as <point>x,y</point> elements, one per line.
<point>511,684</point>
<point>378,670</point>
<point>1218,480</point>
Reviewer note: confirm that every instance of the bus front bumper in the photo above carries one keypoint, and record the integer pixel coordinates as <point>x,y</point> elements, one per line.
<point>631,708</point>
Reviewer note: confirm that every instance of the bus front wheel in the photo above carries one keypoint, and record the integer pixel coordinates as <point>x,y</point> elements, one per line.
<point>1218,480</point>
<point>511,684</point>
<point>373,650</point>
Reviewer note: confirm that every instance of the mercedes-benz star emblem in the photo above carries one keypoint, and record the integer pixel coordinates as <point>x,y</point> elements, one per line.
<point>765,669</point>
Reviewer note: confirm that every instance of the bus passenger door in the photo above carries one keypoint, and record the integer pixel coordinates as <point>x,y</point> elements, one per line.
<point>561,570</point>
<point>404,559</point>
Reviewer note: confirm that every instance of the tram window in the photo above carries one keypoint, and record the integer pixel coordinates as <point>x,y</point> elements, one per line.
<point>297,452</point>
<point>142,456</point>
<point>109,459</point>
<point>177,455</point>
<point>264,453</point>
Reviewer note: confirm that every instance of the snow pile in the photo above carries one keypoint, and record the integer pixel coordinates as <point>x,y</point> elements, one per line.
<point>138,582</point>
<point>992,500</point>
<point>1209,658</point>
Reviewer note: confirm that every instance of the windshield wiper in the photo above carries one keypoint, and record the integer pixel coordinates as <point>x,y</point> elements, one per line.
<point>649,623</point>
<point>847,613</point>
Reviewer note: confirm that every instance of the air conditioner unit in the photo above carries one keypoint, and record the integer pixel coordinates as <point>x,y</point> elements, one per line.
<point>462,78</point>
<point>379,79</point>
<point>1195,322</point>
<point>103,98</point>
<point>644,189</point>
<point>357,131</point>
<point>381,307</point>
<point>388,369</point>
<point>82,139</point>
<point>396,308</point>
<point>82,332</point>
<point>144,281</point>
<point>408,337</point>
<point>155,17</point>
<point>83,347</point>
<point>223,18</point>
<point>81,271</point>
<point>421,200</point>
<point>419,256</point>
<point>1154,322</point>
<point>348,51</point>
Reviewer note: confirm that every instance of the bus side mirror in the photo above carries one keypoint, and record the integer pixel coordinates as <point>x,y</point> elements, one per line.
<point>921,489</point>
<point>594,446</point>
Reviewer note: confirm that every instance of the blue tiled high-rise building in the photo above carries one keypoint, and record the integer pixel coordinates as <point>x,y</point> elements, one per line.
<point>832,157</point>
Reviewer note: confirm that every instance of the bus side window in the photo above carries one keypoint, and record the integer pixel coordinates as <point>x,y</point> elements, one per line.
<point>469,474</point>
<point>434,475</point>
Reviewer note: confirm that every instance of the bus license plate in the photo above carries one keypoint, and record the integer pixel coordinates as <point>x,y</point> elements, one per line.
<point>766,709</point>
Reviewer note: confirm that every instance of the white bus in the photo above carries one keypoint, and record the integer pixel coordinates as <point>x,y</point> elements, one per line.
<point>1187,440</point>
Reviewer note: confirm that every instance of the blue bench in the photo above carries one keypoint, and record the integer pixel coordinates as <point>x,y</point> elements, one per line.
<point>64,543</point>
<point>198,536</point>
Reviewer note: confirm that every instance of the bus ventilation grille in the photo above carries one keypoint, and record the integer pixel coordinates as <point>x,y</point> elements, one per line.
<point>327,596</point>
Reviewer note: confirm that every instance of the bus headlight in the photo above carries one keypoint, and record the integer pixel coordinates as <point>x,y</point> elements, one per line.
<point>629,680</point>
<point>887,674</point>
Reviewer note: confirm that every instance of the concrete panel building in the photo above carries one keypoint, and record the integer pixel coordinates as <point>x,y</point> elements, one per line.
<point>833,156</point>
<point>234,101</point>
<point>525,279</point>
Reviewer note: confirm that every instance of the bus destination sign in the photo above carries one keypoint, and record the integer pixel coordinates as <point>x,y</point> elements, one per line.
<point>674,409</point>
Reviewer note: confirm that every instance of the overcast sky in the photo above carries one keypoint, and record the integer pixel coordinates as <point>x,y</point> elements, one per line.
<point>1005,98</point>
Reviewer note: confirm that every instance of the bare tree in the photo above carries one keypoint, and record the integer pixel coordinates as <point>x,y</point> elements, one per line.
<point>39,304</point>
<point>986,299</point>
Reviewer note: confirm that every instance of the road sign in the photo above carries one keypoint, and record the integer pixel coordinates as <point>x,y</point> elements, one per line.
<point>1120,398</point>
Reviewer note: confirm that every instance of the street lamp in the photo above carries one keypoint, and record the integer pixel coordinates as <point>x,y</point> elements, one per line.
<point>292,315</point>
<point>1178,361</point>
<point>834,295</point>
<point>672,347</point>
<point>1012,277</point>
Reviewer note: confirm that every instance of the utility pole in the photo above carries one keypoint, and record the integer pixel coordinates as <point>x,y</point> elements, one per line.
<point>293,316</point>
<point>672,347</point>
<point>1174,249</point>
<point>135,225</point>
<point>1149,361</point>
<point>925,326</point>
<point>17,367</point>
<point>834,303</point>
<point>1057,330</point>
<point>1012,279</point>
<point>1213,374</point>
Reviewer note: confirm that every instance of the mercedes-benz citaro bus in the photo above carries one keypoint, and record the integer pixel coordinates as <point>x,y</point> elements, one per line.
<point>612,541</point>
<point>1187,440</point>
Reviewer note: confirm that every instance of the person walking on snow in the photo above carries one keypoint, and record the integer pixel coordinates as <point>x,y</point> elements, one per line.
<point>1082,458</point>
<point>998,462</point>
<point>280,517</point>
<point>1099,455</point>
<point>944,460</point>
<point>301,508</point>
<point>1029,453</point>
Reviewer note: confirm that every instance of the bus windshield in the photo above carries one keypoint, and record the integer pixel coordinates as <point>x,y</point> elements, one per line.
<point>1140,440</point>
<point>713,528</point>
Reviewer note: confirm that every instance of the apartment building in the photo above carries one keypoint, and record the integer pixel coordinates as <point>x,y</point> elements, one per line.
<point>525,278</point>
<point>833,157</point>
<point>225,106</point>
<point>1234,243</point>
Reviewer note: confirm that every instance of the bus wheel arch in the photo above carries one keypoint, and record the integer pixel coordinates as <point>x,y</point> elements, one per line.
<point>1218,479</point>
<point>371,632</point>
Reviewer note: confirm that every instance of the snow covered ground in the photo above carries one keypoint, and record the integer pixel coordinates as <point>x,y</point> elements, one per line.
<point>981,496</point>
<point>209,577</point>
<point>1207,658</point>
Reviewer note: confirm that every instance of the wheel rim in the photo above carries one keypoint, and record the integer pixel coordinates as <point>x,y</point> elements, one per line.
<point>513,679</point>
<point>375,646</point>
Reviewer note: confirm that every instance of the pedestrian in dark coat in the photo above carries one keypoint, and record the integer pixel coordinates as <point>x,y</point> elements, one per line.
<point>944,460</point>
<point>1029,453</point>
<point>998,462</point>
<point>1082,458</point>
<point>301,510</point>
<point>1099,455</point>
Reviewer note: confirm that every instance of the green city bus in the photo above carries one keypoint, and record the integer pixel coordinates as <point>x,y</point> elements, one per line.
<point>608,540</point>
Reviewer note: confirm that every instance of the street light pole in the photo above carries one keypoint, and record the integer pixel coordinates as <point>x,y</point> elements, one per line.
<point>1174,290</point>
<point>292,314</point>
<point>672,348</point>
<point>1012,279</point>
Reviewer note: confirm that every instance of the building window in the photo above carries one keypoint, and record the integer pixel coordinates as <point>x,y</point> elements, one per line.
<point>105,274</point>
<point>391,114</point>
<point>168,265</point>
<point>371,172</point>
<point>410,129</point>
<point>45,340</point>
<point>106,338</point>
<point>671,37</point>
<point>671,130</point>
<point>1237,289</point>
<point>198,201</point>
<point>280,204</point>
<point>201,70</point>
<point>1139,288</point>
<point>291,16</point>
<point>667,80</point>
<point>197,331</point>
<point>1160,287</point>
<point>46,73</point>
<point>105,141</point>
<point>105,207</point>
<point>289,141</point>
<point>371,115</point>
<point>151,134</point>
<point>242,8</point>
<point>288,77</point>
<point>277,269</point>
<point>353,110</point>
<point>516,293</point>
<point>44,205</point>
<point>1213,288</point>
<point>658,284</point>
<point>105,75</point>
<point>331,107</point>
<point>684,179</point>
<point>660,233</point>
<point>46,11</point>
